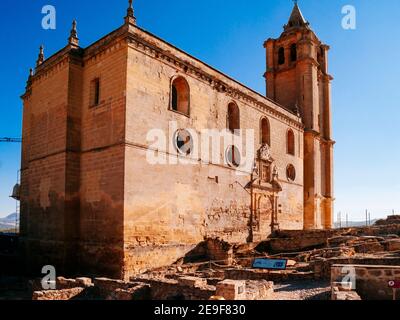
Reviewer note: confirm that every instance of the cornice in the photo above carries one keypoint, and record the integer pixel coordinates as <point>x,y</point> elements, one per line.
<point>57,58</point>
<point>319,136</point>
<point>324,76</point>
<point>312,132</point>
<point>309,60</point>
<point>71,54</point>
<point>130,34</point>
<point>328,141</point>
<point>105,42</point>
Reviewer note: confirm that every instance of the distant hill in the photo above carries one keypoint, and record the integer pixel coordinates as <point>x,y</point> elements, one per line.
<point>12,216</point>
<point>9,221</point>
<point>353,224</point>
<point>393,219</point>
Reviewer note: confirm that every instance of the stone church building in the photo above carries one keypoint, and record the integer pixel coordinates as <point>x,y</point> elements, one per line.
<point>92,203</point>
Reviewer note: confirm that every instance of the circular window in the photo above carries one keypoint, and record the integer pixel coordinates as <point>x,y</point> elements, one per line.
<point>291,172</point>
<point>232,156</point>
<point>183,142</point>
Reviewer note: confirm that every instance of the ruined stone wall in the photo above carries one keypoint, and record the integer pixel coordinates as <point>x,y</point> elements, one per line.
<point>372,281</point>
<point>259,274</point>
<point>65,294</point>
<point>166,289</point>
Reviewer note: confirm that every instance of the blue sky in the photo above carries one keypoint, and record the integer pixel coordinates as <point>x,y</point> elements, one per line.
<point>229,36</point>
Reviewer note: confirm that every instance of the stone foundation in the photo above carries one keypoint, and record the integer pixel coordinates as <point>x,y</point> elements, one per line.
<point>372,281</point>
<point>148,288</point>
<point>232,290</point>
<point>275,276</point>
<point>322,267</point>
<point>341,291</point>
<point>65,294</point>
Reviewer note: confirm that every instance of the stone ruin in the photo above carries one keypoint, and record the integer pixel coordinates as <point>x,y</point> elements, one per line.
<point>184,288</point>
<point>371,282</point>
<point>218,270</point>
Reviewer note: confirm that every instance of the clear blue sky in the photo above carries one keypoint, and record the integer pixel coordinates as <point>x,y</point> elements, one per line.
<point>229,36</point>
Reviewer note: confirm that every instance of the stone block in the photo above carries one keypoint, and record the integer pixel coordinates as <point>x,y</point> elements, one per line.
<point>342,286</point>
<point>192,282</point>
<point>84,282</point>
<point>65,294</point>
<point>63,283</point>
<point>369,247</point>
<point>139,292</point>
<point>232,289</point>
<point>259,290</point>
<point>104,286</point>
<point>344,295</point>
<point>393,245</point>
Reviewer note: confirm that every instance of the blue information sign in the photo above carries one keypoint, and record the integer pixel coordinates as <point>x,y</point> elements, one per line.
<point>270,264</point>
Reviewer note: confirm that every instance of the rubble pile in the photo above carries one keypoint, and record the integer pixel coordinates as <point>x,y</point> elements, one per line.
<point>395,219</point>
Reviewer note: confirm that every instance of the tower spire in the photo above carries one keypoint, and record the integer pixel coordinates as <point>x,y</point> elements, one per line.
<point>130,14</point>
<point>73,38</point>
<point>296,19</point>
<point>40,59</point>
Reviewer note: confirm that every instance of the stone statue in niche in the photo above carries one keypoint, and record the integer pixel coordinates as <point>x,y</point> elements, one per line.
<point>264,153</point>
<point>275,173</point>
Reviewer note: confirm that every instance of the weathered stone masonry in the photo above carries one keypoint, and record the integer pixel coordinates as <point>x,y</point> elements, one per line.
<point>90,200</point>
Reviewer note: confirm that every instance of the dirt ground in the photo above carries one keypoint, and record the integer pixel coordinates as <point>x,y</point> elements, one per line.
<point>302,290</point>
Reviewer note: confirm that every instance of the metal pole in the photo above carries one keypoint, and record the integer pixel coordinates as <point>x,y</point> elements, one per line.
<point>337,219</point>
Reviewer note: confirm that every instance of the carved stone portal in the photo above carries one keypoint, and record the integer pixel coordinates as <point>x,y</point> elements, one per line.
<point>265,195</point>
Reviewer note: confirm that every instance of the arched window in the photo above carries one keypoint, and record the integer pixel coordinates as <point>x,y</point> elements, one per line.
<point>293,52</point>
<point>265,132</point>
<point>180,96</point>
<point>233,117</point>
<point>290,142</point>
<point>281,55</point>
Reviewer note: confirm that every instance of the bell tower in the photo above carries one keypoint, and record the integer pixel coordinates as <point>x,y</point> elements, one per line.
<point>297,78</point>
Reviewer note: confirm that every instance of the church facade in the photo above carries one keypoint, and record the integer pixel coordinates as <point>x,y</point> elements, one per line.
<point>92,199</point>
